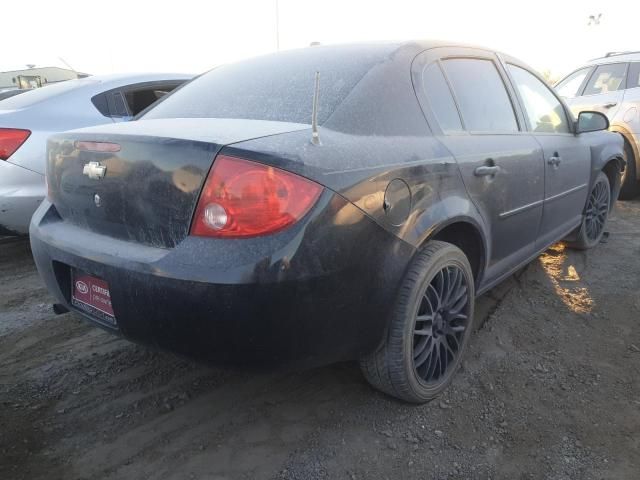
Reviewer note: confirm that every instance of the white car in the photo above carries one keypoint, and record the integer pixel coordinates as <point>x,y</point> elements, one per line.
<point>28,119</point>
<point>611,85</point>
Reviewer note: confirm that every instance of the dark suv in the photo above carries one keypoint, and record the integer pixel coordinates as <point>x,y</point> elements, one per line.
<point>324,204</point>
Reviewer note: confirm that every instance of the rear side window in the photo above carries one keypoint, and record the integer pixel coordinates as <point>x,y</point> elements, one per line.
<point>273,87</point>
<point>569,87</point>
<point>481,95</point>
<point>111,104</point>
<point>140,98</point>
<point>130,101</point>
<point>607,78</point>
<point>543,109</point>
<point>633,80</point>
<point>440,99</point>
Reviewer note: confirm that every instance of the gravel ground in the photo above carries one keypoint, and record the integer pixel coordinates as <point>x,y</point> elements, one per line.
<point>550,389</point>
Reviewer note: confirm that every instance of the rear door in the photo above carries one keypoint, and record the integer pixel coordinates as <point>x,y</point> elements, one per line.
<point>629,114</point>
<point>604,90</point>
<point>501,164</point>
<point>567,164</point>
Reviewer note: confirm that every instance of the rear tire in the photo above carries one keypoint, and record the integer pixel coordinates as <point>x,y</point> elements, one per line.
<point>630,186</point>
<point>594,220</point>
<point>429,329</point>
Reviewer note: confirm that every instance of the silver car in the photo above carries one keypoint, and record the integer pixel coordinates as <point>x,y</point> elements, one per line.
<point>27,120</point>
<point>611,85</point>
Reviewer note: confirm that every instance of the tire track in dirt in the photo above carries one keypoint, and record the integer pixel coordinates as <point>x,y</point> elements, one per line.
<point>547,391</point>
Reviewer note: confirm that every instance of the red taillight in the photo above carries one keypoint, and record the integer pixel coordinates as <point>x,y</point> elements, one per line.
<point>245,199</point>
<point>10,141</point>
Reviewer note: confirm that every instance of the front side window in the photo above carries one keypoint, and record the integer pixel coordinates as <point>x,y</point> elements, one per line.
<point>542,107</point>
<point>440,99</point>
<point>568,88</point>
<point>481,95</point>
<point>607,78</point>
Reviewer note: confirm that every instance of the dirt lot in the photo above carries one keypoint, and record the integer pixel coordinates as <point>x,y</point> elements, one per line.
<point>550,389</point>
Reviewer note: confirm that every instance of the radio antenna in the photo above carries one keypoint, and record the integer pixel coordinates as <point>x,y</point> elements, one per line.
<point>315,136</point>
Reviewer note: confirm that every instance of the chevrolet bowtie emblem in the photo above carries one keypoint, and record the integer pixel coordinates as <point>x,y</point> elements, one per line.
<point>94,170</point>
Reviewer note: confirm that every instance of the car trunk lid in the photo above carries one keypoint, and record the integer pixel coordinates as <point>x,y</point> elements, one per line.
<point>141,181</point>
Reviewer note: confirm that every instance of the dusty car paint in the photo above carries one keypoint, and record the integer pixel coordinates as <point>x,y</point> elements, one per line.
<point>323,289</point>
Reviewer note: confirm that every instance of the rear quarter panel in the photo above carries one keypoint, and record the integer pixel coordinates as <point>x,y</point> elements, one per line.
<point>361,168</point>
<point>45,119</point>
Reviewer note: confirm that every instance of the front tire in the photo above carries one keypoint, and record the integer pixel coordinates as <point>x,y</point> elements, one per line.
<point>595,216</point>
<point>429,328</point>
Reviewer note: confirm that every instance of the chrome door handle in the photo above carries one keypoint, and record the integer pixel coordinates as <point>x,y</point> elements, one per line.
<point>486,170</point>
<point>609,105</point>
<point>555,160</point>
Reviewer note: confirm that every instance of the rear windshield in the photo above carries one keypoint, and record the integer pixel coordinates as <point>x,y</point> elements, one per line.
<point>41,94</point>
<point>276,87</point>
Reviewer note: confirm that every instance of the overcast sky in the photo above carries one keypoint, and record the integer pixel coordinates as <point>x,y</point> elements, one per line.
<point>104,36</point>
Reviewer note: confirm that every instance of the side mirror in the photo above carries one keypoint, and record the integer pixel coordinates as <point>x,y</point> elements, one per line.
<point>592,122</point>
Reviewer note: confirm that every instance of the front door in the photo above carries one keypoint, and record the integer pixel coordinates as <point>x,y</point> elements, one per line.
<point>567,157</point>
<point>504,176</point>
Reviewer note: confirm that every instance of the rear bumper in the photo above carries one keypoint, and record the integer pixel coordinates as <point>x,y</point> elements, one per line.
<point>21,191</point>
<point>317,293</point>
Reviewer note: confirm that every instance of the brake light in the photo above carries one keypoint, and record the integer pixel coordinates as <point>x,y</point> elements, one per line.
<point>97,146</point>
<point>246,199</point>
<point>10,140</point>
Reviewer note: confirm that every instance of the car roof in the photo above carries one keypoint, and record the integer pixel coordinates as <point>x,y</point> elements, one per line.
<point>386,46</point>
<point>115,80</point>
<point>139,77</point>
<point>616,57</point>
<point>366,70</point>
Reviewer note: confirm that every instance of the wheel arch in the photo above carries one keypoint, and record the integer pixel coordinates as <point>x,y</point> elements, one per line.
<point>629,140</point>
<point>612,169</point>
<point>466,234</point>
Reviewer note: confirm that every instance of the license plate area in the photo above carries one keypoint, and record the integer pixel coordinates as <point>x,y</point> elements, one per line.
<point>91,295</point>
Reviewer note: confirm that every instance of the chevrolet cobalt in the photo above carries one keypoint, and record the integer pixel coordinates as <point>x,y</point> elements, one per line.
<point>325,204</point>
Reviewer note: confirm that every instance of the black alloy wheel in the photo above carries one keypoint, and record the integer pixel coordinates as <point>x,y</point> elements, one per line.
<point>440,324</point>
<point>429,329</point>
<point>595,216</point>
<point>597,210</point>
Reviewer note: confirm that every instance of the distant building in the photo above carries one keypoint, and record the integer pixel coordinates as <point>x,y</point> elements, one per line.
<point>37,77</point>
